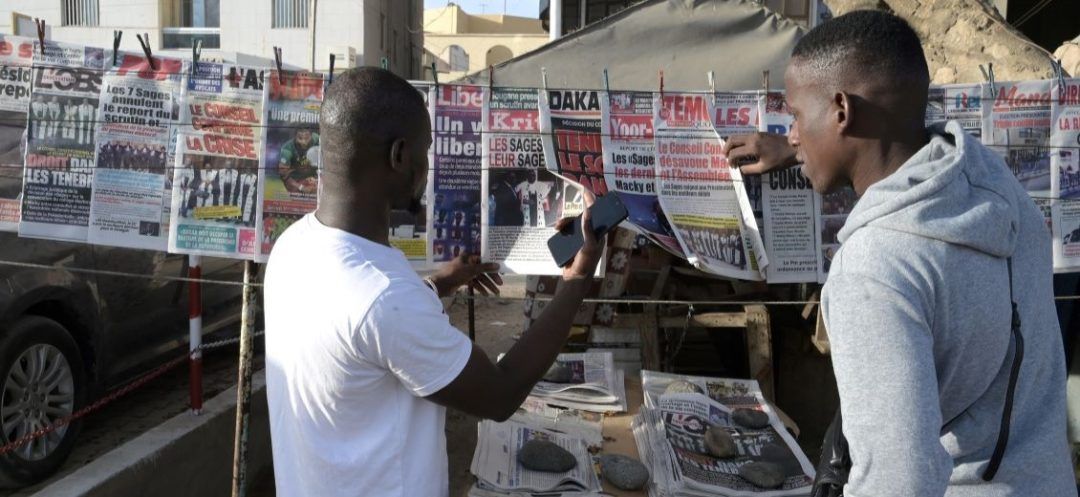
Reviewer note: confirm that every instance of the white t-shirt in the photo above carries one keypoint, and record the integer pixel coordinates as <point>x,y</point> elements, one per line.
<point>354,340</point>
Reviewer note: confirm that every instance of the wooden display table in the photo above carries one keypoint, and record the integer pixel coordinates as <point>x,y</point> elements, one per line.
<point>619,439</point>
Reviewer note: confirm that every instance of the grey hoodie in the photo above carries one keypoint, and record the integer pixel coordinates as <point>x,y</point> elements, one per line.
<point>918,315</point>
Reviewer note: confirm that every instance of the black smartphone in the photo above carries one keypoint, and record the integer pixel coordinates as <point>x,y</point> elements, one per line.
<point>606,213</point>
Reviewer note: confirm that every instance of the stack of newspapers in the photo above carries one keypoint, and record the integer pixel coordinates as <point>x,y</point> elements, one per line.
<point>499,474</point>
<point>670,434</point>
<point>587,381</point>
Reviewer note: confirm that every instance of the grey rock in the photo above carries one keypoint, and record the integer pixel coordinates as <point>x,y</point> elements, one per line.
<point>762,474</point>
<point>720,443</point>
<point>542,455</point>
<point>624,472</point>
<point>559,374</point>
<point>750,418</point>
<point>682,386</point>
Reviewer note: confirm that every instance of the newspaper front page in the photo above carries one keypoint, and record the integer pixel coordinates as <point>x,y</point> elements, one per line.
<point>139,113</point>
<point>221,122</point>
<point>570,126</point>
<point>289,175</point>
<point>700,194</point>
<point>1016,125</point>
<point>1065,167</point>
<point>630,163</point>
<point>496,466</point>
<point>59,170</point>
<point>408,230</point>
<point>739,113</point>
<point>455,213</point>
<point>959,102</point>
<point>790,212</point>
<point>522,199</point>
<point>16,57</point>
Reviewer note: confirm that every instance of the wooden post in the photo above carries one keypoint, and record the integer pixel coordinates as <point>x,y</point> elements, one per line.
<point>759,349</point>
<point>243,384</point>
<point>650,343</point>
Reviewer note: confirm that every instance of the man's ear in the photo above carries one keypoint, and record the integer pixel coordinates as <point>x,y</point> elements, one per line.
<point>399,156</point>
<point>842,112</point>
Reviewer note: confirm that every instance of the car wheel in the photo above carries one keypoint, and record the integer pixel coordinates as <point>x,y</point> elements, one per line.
<point>42,381</point>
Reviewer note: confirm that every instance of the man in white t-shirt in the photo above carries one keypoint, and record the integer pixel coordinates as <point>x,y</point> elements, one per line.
<point>360,357</point>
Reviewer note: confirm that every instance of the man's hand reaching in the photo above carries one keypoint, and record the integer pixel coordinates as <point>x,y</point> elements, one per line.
<point>759,153</point>
<point>467,269</point>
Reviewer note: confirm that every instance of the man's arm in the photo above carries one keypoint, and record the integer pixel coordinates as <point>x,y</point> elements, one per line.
<point>883,357</point>
<point>759,153</point>
<point>495,391</point>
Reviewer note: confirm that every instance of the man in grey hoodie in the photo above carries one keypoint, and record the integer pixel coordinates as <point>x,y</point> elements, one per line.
<point>918,300</point>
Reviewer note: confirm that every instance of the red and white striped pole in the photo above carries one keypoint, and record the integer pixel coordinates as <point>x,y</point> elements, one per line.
<point>195,330</point>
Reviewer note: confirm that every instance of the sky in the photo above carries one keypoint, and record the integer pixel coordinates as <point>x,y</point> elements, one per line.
<point>524,8</point>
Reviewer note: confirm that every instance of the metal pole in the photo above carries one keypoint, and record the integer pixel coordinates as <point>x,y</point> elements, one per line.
<point>555,19</point>
<point>195,332</point>
<point>243,384</point>
<point>314,6</point>
<point>472,314</point>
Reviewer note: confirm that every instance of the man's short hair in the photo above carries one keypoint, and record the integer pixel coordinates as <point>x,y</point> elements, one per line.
<point>369,104</point>
<point>871,41</point>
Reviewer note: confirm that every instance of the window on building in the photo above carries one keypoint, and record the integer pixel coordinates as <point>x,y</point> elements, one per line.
<point>290,13</point>
<point>79,12</point>
<point>459,58</point>
<point>498,54</point>
<point>186,21</point>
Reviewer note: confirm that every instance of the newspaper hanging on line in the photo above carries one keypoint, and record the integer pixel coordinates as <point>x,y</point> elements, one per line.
<point>630,163</point>
<point>570,126</point>
<point>456,186</point>
<point>496,467</point>
<point>59,171</point>
<point>738,113</point>
<point>959,102</point>
<point>671,439</point>
<point>16,57</point>
<point>409,231</point>
<point>522,200</point>
<point>1016,125</point>
<point>698,191</point>
<point>139,116</point>
<point>289,173</point>
<point>220,134</point>
<point>1065,170</point>
<point>791,218</point>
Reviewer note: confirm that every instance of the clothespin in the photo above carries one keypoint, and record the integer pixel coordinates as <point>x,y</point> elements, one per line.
<point>144,40</point>
<point>196,54</point>
<point>712,81</point>
<point>661,83</point>
<point>607,82</point>
<point>543,77</point>
<point>332,59</point>
<point>434,74</point>
<point>1059,73</point>
<point>116,36</point>
<point>385,63</point>
<point>988,74</point>
<point>765,81</point>
<point>277,62</point>
<point>41,33</point>
<point>491,76</point>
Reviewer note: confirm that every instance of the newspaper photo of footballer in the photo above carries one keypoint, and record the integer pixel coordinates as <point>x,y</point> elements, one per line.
<point>218,188</point>
<point>297,158</point>
<point>723,245</point>
<point>63,121</point>
<point>524,197</point>
<point>133,156</point>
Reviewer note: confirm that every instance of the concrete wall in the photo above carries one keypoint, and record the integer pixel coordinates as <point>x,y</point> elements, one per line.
<point>187,455</point>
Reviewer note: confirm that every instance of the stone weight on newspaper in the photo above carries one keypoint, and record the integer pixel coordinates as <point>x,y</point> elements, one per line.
<point>762,474</point>
<point>719,443</point>
<point>624,472</point>
<point>542,455</point>
<point>559,373</point>
<point>683,386</point>
<point>750,418</point>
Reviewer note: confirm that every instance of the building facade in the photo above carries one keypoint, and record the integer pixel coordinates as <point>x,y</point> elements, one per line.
<point>460,43</point>
<point>359,32</point>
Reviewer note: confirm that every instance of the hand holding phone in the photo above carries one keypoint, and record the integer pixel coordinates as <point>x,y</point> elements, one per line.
<point>578,249</point>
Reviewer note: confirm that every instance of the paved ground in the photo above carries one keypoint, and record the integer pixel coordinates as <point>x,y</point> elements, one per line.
<point>132,415</point>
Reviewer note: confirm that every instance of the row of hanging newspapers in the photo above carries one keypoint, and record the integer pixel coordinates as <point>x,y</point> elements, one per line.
<point>220,159</point>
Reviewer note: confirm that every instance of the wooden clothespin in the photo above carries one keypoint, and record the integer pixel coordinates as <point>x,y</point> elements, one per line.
<point>144,40</point>
<point>607,82</point>
<point>988,74</point>
<point>116,36</point>
<point>491,82</point>
<point>1059,74</point>
<point>661,83</point>
<point>385,63</point>
<point>765,81</point>
<point>435,74</point>
<point>41,33</point>
<point>277,62</point>
<point>333,58</point>
<point>196,54</point>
